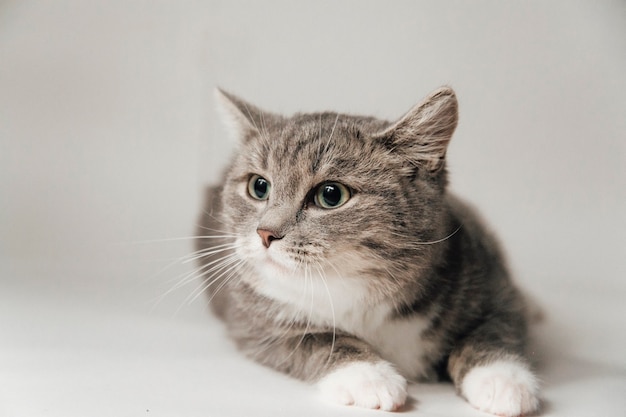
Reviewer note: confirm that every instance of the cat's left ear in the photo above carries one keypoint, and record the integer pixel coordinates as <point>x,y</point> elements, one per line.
<point>422,135</point>
<point>241,118</point>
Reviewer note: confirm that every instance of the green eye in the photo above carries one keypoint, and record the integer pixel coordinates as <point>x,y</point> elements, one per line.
<point>258,187</point>
<point>331,195</point>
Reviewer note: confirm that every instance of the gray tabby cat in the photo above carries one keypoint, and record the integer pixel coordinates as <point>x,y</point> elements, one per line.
<point>334,253</point>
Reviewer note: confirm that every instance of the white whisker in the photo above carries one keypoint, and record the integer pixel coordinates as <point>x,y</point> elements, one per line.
<point>226,275</point>
<point>307,278</point>
<point>332,309</point>
<point>206,252</point>
<point>189,277</point>
<point>330,137</point>
<point>432,242</point>
<point>173,239</point>
<point>227,232</point>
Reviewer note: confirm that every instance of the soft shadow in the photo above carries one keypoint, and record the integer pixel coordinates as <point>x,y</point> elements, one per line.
<point>410,405</point>
<point>556,366</point>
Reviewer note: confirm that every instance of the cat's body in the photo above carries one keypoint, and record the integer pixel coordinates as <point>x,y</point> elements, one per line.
<point>336,255</point>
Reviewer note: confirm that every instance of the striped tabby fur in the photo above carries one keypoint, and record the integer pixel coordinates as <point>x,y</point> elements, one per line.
<point>400,282</point>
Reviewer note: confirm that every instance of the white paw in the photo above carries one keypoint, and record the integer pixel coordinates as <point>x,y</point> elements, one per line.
<point>505,388</point>
<point>363,384</point>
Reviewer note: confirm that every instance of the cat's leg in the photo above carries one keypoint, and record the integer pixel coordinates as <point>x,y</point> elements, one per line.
<point>345,369</point>
<point>490,370</point>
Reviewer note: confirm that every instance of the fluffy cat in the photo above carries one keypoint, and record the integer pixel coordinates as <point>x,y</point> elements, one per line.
<point>333,252</point>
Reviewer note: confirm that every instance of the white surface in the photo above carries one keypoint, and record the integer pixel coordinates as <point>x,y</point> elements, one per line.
<point>107,134</point>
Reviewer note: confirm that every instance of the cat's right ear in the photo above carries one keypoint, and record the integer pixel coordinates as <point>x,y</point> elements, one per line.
<point>242,119</point>
<point>422,135</point>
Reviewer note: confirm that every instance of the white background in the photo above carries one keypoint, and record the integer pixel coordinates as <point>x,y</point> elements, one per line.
<point>108,134</point>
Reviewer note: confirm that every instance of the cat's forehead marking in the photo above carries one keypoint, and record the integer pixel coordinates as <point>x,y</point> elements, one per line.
<point>309,143</point>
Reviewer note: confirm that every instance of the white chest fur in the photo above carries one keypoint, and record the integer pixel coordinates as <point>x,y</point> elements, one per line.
<point>344,303</point>
<point>399,341</point>
<point>396,340</point>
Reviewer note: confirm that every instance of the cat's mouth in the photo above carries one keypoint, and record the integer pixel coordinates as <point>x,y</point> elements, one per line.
<point>276,262</point>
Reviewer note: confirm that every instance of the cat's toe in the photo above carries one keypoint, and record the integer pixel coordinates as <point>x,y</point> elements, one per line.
<point>503,388</point>
<point>364,384</point>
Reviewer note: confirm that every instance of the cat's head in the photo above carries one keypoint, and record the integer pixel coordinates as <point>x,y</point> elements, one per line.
<point>345,197</point>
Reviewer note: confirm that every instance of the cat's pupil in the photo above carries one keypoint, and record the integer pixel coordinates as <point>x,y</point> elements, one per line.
<point>260,187</point>
<point>332,195</point>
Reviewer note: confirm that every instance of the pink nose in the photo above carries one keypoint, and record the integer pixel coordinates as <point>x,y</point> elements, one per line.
<point>267,236</point>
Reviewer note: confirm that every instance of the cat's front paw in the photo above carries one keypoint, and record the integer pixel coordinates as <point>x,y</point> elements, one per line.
<point>364,384</point>
<point>504,388</point>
